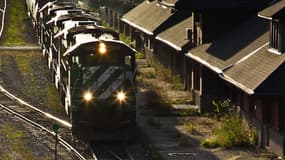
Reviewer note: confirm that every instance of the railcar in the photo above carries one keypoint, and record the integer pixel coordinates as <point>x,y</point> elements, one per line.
<point>92,69</point>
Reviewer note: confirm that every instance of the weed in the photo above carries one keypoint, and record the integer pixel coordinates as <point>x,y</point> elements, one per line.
<point>210,143</point>
<point>139,55</point>
<point>191,128</point>
<point>17,143</point>
<point>223,108</point>
<point>231,132</point>
<point>127,40</point>
<point>53,99</point>
<point>16,17</point>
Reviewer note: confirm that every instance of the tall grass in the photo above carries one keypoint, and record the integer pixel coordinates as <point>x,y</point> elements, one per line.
<point>232,131</point>
<point>13,34</point>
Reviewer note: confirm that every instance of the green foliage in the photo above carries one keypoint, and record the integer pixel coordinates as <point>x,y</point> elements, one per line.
<point>222,108</point>
<point>10,132</point>
<point>15,23</point>
<point>191,128</point>
<point>17,143</point>
<point>231,132</point>
<point>210,143</point>
<point>165,74</point>
<point>177,82</point>
<point>127,40</point>
<point>53,98</point>
<point>139,55</point>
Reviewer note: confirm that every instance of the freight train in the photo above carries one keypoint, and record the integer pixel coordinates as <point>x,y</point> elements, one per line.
<point>92,69</point>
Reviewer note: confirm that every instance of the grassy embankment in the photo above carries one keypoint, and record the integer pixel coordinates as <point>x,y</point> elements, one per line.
<point>15,24</point>
<point>28,63</point>
<point>18,146</point>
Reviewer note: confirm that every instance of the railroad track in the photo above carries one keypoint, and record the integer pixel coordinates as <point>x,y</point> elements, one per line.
<point>117,151</point>
<point>43,122</point>
<point>3,12</point>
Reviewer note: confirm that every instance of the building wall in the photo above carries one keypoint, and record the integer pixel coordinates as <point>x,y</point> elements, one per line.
<point>265,112</point>
<point>267,116</point>
<point>170,58</point>
<point>205,86</point>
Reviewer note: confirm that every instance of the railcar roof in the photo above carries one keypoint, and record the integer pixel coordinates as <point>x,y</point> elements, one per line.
<point>93,43</point>
<point>73,16</point>
<point>92,29</point>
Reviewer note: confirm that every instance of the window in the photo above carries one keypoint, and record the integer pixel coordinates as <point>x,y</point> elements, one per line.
<point>128,61</point>
<point>274,34</point>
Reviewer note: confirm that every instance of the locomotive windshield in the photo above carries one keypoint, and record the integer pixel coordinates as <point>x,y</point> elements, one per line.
<point>110,59</point>
<point>105,54</point>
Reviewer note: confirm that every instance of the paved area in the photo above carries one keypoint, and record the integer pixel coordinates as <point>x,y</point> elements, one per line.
<point>172,142</point>
<point>166,139</point>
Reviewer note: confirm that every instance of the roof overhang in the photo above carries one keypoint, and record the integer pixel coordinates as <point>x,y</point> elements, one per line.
<point>169,43</point>
<point>220,73</point>
<point>207,64</point>
<point>265,17</point>
<point>137,26</point>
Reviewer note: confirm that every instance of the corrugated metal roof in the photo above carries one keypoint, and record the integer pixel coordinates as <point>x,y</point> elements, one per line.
<point>241,56</point>
<point>221,4</point>
<point>147,16</point>
<point>236,44</point>
<point>256,69</point>
<point>270,11</point>
<point>175,36</point>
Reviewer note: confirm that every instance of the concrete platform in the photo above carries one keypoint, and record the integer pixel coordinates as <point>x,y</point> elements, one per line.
<point>173,143</point>
<point>166,139</point>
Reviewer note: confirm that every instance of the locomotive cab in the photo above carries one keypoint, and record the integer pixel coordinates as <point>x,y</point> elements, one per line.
<point>102,98</point>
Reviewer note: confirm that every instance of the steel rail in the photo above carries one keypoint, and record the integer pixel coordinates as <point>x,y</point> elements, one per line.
<point>128,152</point>
<point>116,155</point>
<point>3,17</point>
<point>37,125</point>
<point>11,96</point>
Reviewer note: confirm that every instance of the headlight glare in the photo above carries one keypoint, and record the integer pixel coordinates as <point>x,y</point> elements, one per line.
<point>88,96</point>
<point>102,48</point>
<point>121,96</point>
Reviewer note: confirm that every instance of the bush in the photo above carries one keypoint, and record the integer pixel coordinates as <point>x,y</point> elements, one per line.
<point>210,143</point>
<point>139,55</point>
<point>231,132</point>
<point>223,108</point>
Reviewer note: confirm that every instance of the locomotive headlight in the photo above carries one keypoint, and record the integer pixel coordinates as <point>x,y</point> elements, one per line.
<point>88,96</point>
<point>121,96</point>
<point>102,48</point>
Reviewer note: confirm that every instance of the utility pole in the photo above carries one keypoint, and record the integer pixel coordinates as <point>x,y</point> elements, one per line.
<point>55,129</point>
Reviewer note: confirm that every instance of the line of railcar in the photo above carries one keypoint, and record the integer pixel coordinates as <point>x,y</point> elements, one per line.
<point>92,69</point>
